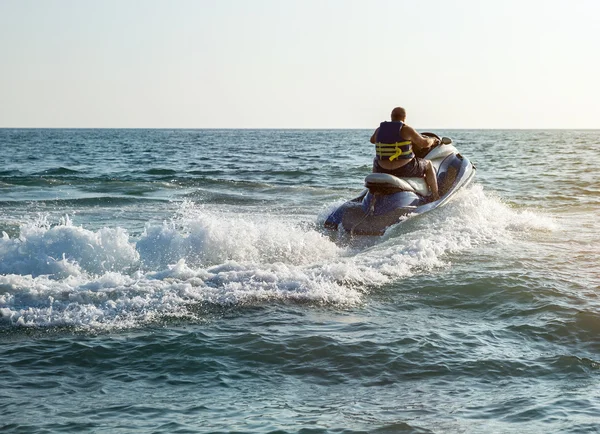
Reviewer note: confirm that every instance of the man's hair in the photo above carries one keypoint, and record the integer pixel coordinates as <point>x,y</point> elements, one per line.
<point>398,114</point>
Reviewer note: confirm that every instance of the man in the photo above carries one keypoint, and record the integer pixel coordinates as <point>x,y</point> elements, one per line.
<point>394,143</point>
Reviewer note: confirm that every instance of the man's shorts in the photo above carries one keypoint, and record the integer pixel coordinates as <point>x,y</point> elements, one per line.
<point>415,168</point>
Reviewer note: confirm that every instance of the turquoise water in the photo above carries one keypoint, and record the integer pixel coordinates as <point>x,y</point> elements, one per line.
<point>181,281</point>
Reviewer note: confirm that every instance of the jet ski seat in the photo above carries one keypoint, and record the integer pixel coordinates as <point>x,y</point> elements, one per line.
<point>385,183</point>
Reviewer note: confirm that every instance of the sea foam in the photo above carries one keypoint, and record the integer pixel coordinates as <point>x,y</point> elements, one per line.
<point>66,275</point>
<point>205,238</point>
<point>64,250</point>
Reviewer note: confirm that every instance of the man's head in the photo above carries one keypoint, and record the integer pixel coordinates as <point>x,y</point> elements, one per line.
<point>398,114</point>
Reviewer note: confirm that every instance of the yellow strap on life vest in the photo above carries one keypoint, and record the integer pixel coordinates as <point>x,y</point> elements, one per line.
<point>385,150</point>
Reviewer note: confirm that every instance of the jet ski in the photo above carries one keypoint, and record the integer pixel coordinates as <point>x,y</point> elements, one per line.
<point>387,199</point>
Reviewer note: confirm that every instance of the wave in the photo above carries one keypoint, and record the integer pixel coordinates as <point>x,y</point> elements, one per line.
<point>58,171</point>
<point>4,173</point>
<point>111,201</point>
<point>67,275</point>
<point>161,172</point>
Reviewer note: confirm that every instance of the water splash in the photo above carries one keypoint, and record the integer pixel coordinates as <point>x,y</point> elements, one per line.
<point>66,275</point>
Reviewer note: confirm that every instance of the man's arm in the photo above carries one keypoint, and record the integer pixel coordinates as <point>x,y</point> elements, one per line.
<point>374,136</point>
<point>418,141</point>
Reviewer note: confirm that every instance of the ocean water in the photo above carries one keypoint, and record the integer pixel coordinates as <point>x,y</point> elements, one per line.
<point>181,281</point>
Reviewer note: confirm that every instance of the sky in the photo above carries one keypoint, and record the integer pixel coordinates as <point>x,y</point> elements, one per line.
<point>299,63</point>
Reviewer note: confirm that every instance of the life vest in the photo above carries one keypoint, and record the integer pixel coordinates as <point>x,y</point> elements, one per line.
<point>389,144</point>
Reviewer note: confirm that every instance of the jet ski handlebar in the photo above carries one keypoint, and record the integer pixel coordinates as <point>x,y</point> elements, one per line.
<point>439,140</point>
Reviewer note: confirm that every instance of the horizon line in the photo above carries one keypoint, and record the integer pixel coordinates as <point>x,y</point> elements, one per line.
<point>299,128</point>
